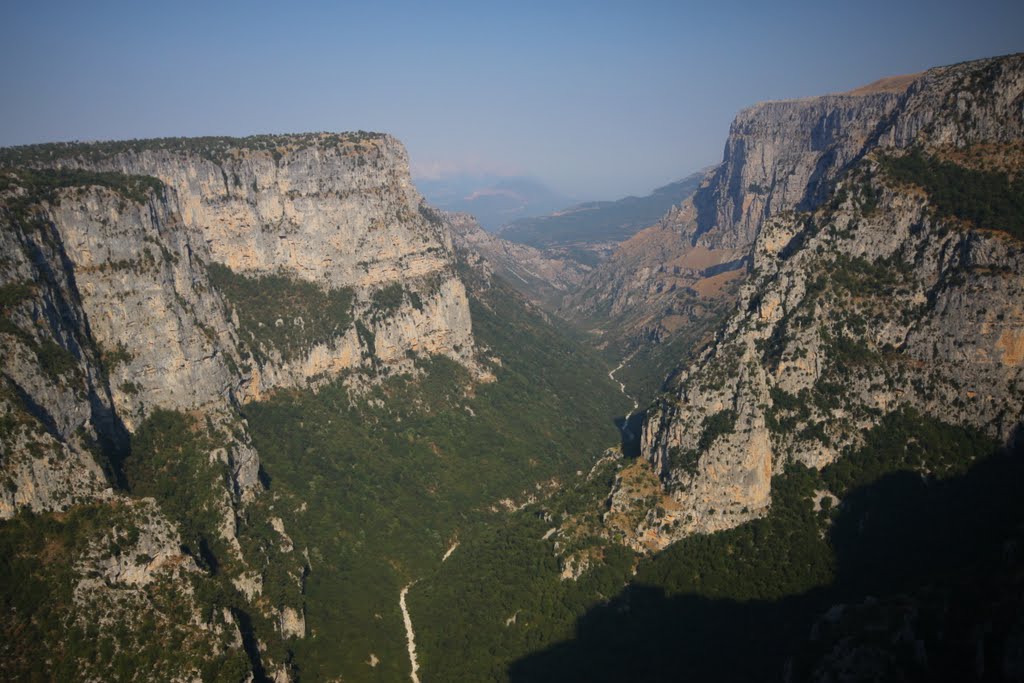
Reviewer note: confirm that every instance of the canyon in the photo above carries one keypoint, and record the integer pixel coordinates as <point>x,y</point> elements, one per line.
<point>251,389</point>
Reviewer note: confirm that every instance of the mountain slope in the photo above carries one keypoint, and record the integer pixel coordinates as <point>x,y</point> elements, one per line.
<point>884,296</point>
<point>541,277</point>
<point>583,231</point>
<point>671,284</point>
<point>243,404</point>
<point>830,488</point>
<point>129,345</point>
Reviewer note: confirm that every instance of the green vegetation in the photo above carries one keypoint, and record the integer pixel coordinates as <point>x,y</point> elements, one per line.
<point>908,441</point>
<point>46,635</point>
<point>119,355</point>
<point>766,559</point>
<point>988,199</point>
<point>369,486</point>
<point>713,426</point>
<point>42,185</point>
<point>170,461</point>
<point>756,589</point>
<point>649,365</point>
<point>185,464</point>
<point>13,293</point>
<point>787,410</point>
<point>510,570</point>
<point>213,148</point>
<point>500,596</point>
<point>308,315</point>
<point>57,362</point>
<point>387,300</point>
<point>861,277</point>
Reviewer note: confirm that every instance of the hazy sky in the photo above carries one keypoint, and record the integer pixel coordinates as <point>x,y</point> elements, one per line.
<point>598,99</point>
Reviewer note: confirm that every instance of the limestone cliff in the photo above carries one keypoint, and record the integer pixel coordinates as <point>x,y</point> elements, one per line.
<point>194,296</point>
<point>338,211</point>
<point>149,289</point>
<point>780,156</point>
<point>882,295</point>
<point>672,283</point>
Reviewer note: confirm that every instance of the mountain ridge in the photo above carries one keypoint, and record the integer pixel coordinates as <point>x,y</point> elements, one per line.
<point>594,226</point>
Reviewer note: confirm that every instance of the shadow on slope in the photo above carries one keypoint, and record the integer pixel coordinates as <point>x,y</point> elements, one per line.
<point>931,574</point>
<point>630,429</point>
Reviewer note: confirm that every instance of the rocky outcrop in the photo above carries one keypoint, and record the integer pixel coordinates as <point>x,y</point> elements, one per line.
<point>132,557</point>
<point>673,281</point>
<point>109,316</point>
<point>40,471</point>
<point>336,210</point>
<point>875,300</point>
<point>121,581</point>
<point>780,156</point>
<point>159,327</point>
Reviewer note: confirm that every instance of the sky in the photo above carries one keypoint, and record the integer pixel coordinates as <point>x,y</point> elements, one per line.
<point>596,99</point>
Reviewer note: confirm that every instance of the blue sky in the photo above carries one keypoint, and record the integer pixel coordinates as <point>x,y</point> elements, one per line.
<point>598,99</point>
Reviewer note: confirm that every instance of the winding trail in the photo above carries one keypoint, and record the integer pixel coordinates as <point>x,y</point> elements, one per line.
<point>622,387</point>
<point>410,635</point>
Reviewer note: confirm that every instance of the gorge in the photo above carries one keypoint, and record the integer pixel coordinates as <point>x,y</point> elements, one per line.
<point>251,389</point>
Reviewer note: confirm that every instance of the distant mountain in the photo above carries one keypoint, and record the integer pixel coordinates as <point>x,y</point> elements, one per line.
<point>493,200</point>
<point>608,221</point>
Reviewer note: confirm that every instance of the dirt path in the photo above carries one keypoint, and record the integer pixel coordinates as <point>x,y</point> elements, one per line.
<point>410,635</point>
<point>451,550</point>
<point>627,434</point>
<point>622,387</point>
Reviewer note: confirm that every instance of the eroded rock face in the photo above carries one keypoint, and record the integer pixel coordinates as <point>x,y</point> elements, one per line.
<point>678,275</point>
<point>325,208</point>
<point>40,472</point>
<point>339,211</point>
<point>871,302</point>
<point>148,302</point>
<point>779,157</point>
<point>120,288</point>
<point>125,300</point>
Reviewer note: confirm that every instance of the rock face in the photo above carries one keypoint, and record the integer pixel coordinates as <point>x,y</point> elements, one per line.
<point>781,156</point>
<point>865,295</point>
<point>339,211</point>
<point>125,285</point>
<point>185,278</point>
<point>671,284</point>
<point>335,210</point>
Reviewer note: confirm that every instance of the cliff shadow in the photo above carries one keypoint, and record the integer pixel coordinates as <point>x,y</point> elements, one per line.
<point>928,586</point>
<point>630,429</point>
